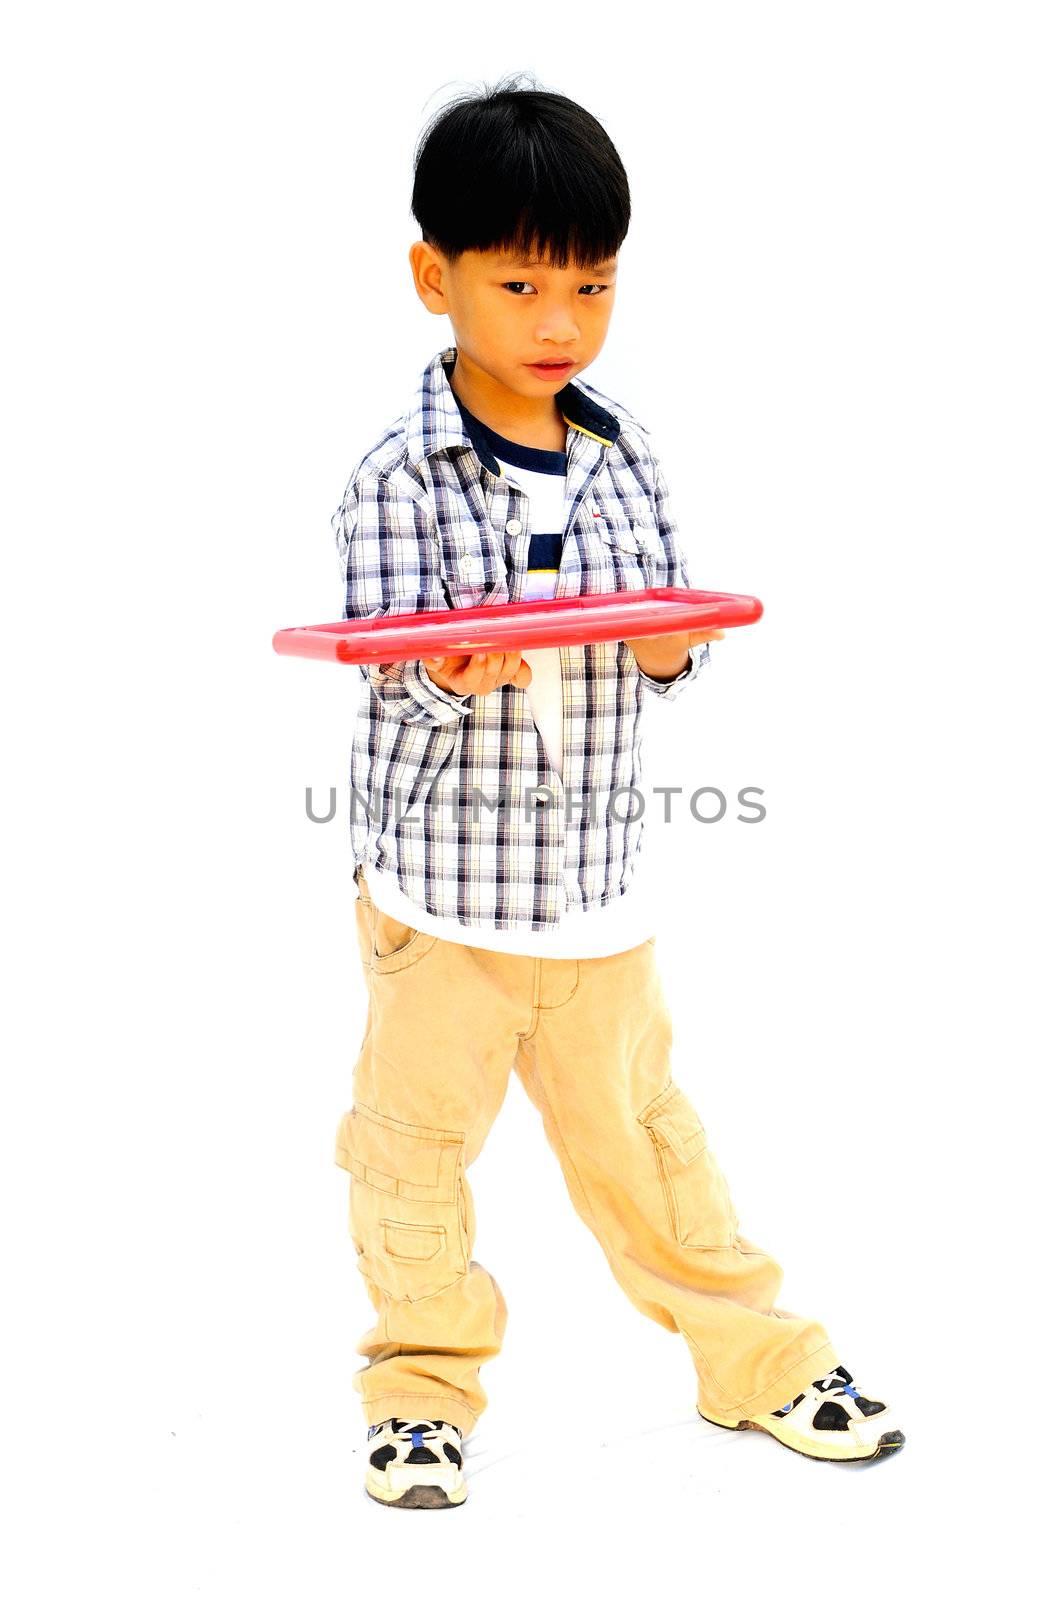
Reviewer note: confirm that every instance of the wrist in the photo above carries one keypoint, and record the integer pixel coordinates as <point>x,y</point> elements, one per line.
<point>662,665</point>
<point>444,689</point>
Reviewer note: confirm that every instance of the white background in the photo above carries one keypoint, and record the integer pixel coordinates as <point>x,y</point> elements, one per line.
<point>838,311</point>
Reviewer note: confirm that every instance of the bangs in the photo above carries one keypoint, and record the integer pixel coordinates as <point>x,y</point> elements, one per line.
<point>523,172</point>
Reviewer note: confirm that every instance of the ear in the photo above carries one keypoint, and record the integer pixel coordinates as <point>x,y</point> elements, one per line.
<point>428,270</point>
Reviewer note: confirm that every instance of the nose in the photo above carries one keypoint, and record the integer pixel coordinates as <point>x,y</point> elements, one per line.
<point>556,334</point>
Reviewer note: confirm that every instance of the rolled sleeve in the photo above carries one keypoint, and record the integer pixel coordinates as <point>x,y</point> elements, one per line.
<point>390,564</point>
<point>441,704</point>
<point>675,576</point>
<point>669,688</point>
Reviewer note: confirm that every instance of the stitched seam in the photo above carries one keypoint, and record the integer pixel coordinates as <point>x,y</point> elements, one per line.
<point>417,1130</point>
<point>413,950</point>
<point>800,1360</point>
<point>568,996</point>
<point>414,1394</point>
<point>748,1401</point>
<point>536,991</point>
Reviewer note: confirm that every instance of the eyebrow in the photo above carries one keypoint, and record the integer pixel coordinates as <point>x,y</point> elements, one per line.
<point>525,266</point>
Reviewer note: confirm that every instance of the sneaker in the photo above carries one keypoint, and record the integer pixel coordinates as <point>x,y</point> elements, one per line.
<point>830,1421</point>
<point>415,1464</point>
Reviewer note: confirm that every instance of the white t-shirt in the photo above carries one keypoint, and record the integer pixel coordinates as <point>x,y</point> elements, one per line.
<point>581,933</point>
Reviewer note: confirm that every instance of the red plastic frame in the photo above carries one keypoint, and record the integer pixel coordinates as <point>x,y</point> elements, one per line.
<point>521,625</point>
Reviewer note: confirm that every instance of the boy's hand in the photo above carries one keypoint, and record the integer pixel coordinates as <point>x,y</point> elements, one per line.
<point>665,654</point>
<point>478,674</point>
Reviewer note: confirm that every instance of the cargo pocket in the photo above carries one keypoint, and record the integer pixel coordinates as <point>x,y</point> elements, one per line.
<point>408,1203</point>
<point>699,1201</point>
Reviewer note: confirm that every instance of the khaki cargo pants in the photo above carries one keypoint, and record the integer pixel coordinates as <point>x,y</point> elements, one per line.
<point>591,1041</point>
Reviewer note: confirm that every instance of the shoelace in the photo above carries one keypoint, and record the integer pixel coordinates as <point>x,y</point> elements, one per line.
<point>417,1430</point>
<point>838,1381</point>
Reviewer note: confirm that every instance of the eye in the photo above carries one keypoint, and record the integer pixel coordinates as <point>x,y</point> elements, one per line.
<point>519,284</point>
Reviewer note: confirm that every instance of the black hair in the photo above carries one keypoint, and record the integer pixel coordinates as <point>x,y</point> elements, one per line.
<point>521,170</point>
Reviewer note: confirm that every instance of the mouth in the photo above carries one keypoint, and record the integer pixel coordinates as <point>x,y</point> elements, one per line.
<point>550,366</point>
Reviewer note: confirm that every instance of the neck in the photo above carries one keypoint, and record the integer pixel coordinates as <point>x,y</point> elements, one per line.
<point>525,419</point>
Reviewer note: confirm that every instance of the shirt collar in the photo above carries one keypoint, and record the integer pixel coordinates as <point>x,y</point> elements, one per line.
<point>435,420</point>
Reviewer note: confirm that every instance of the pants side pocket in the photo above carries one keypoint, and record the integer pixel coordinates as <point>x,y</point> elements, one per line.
<point>407,1202</point>
<point>699,1202</point>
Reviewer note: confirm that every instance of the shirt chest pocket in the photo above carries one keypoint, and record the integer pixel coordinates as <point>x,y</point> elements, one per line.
<point>473,573</point>
<point>630,552</point>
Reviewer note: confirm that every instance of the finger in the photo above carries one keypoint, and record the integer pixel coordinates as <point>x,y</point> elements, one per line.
<point>454,669</point>
<point>494,664</point>
<point>445,667</point>
<point>475,679</point>
<point>510,666</point>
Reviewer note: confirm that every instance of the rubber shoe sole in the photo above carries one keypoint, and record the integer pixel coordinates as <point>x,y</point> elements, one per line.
<point>886,1444</point>
<point>413,1496</point>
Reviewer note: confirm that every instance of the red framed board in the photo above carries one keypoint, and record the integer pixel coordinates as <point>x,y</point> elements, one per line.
<point>520,625</point>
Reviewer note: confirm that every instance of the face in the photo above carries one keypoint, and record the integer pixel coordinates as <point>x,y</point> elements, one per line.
<point>509,312</point>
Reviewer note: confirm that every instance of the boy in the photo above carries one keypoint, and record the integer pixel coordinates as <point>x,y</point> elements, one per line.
<point>499,917</point>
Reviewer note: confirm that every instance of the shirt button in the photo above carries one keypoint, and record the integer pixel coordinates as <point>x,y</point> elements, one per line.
<point>542,793</point>
<point>467,565</point>
<point>513,525</point>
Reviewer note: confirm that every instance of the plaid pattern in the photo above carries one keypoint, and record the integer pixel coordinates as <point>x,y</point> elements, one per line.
<point>428,521</point>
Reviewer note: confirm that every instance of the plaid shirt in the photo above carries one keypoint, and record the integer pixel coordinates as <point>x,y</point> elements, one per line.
<point>455,795</point>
